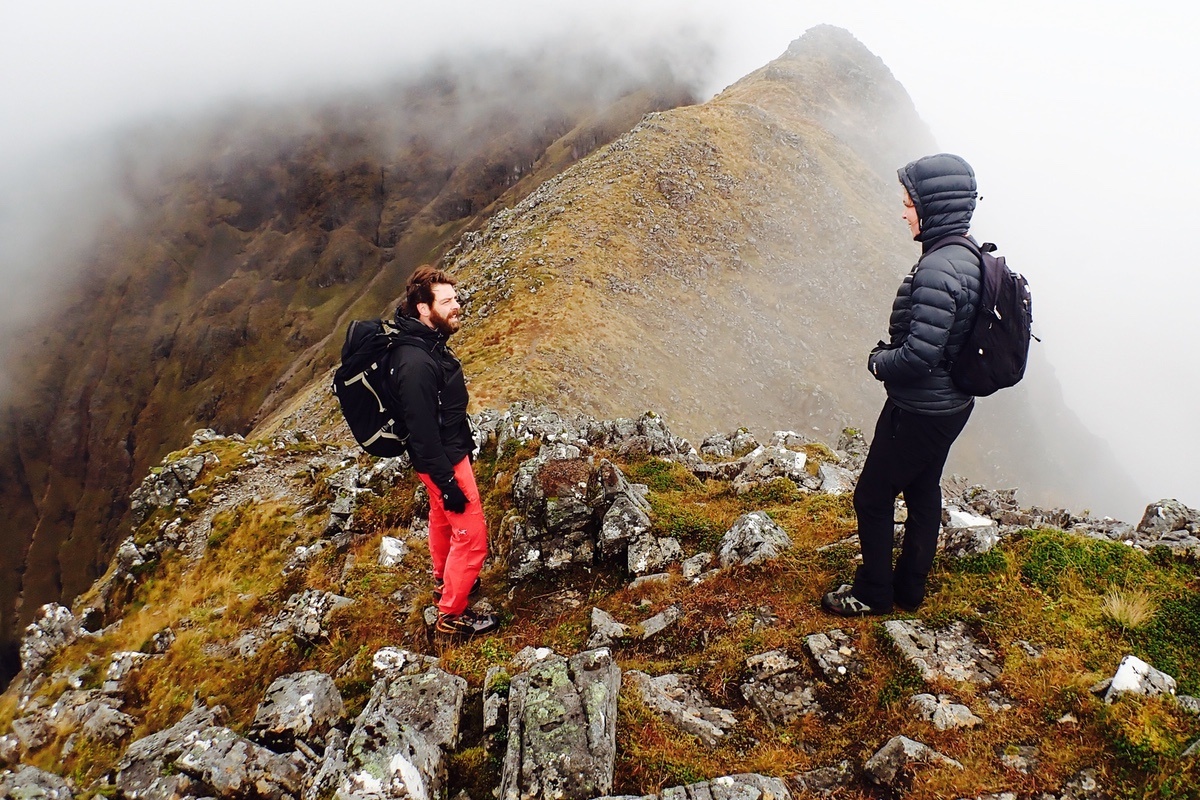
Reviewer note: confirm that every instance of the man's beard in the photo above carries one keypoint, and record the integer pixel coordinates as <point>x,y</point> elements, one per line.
<point>445,325</point>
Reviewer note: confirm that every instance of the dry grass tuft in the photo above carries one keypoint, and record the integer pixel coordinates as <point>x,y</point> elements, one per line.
<point>1129,608</point>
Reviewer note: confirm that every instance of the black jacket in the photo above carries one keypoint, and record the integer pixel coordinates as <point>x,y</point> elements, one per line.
<point>936,303</point>
<point>430,392</point>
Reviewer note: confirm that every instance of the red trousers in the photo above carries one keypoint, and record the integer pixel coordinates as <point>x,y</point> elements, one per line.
<point>457,542</point>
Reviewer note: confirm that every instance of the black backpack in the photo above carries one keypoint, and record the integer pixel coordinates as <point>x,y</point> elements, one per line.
<point>997,349</point>
<point>359,386</point>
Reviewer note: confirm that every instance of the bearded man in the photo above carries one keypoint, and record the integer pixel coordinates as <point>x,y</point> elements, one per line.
<point>431,395</point>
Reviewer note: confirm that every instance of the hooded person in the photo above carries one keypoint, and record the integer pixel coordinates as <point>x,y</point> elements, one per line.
<point>925,412</point>
<point>430,392</point>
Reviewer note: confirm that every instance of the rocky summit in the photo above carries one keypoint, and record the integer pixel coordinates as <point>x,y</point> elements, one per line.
<point>262,632</point>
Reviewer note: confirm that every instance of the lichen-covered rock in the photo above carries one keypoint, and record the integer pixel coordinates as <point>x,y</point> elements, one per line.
<point>399,743</point>
<point>950,652</point>
<point>746,786</point>
<point>605,630</point>
<point>649,554</point>
<point>885,766</point>
<point>392,551</point>
<point>143,771</point>
<point>660,621</point>
<point>826,781</point>
<point>1167,516</point>
<point>943,712</point>
<point>324,780</point>
<point>677,699</point>
<point>30,783</point>
<point>164,486</point>
<point>52,629</point>
<point>225,764</point>
<point>304,706</point>
<point>835,653</point>
<point>304,615</point>
<point>753,539</point>
<point>554,523</point>
<point>33,731</point>
<point>389,661</point>
<point>624,522</point>
<point>835,479</point>
<point>778,689</point>
<point>562,728</point>
<point>765,464</point>
<point>107,724</point>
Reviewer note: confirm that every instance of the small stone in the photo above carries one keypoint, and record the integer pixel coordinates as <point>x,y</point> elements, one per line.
<point>692,567</point>
<point>605,629</point>
<point>1137,677</point>
<point>392,551</point>
<point>884,767</point>
<point>661,621</point>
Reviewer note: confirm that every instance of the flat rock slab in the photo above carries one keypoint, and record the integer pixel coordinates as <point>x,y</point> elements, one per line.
<point>778,689</point>
<point>885,766</point>
<point>562,728</point>
<point>747,786</point>
<point>660,621</point>
<point>836,654</point>
<point>950,652</point>
<point>677,699</point>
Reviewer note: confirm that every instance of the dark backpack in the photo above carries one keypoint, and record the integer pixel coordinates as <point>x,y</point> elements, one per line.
<point>359,384</point>
<point>997,349</point>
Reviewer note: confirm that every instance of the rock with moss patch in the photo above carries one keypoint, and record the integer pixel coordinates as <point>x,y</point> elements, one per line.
<point>943,712</point>
<point>562,728</point>
<point>753,539</point>
<point>900,752</point>
<point>165,486</point>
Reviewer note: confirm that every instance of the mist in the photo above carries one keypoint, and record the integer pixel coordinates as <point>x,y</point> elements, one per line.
<point>1071,114</point>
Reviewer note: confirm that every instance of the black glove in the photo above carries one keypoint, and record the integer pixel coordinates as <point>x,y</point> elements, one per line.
<point>453,499</point>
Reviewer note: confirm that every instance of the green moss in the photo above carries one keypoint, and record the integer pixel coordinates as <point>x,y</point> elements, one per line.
<point>1050,556</point>
<point>1171,641</point>
<point>992,562</point>
<point>778,491</point>
<point>660,475</point>
<point>684,519</point>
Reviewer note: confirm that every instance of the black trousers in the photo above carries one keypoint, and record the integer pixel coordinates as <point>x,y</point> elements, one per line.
<point>907,456</point>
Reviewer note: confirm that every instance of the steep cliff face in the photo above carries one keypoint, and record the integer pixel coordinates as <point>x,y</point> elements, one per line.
<point>253,238</point>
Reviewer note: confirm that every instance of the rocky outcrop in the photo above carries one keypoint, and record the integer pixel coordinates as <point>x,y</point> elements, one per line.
<point>753,539</point>
<point>943,712</point>
<point>30,783</point>
<point>900,752</point>
<point>562,718</point>
<point>747,786</point>
<point>52,629</point>
<point>165,486</point>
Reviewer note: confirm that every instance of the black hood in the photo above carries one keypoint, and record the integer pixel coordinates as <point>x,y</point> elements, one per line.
<point>942,188</point>
<point>414,327</point>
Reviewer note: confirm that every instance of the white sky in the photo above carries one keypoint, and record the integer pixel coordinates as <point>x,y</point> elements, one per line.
<point>1079,117</point>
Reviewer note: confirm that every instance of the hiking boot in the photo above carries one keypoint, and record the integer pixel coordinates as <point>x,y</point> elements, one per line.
<point>440,585</point>
<point>841,602</point>
<point>466,624</point>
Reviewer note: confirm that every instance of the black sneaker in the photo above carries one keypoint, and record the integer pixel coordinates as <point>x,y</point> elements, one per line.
<point>466,624</point>
<point>841,602</point>
<point>439,587</point>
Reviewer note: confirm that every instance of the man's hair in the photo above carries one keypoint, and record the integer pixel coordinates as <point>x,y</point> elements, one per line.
<point>420,288</point>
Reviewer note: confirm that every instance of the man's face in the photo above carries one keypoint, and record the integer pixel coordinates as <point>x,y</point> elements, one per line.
<point>910,215</point>
<point>444,313</point>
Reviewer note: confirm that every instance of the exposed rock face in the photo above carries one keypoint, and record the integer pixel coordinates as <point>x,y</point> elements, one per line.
<point>677,699</point>
<point>555,526</point>
<point>143,770</point>
<point>562,728</point>
<point>826,781</point>
<point>165,486</point>
<point>398,746</point>
<point>54,628</point>
<point>302,706</point>
<point>1168,516</point>
<point>227,765</point>
<point>947,653</point>
<point>120,667</point>
<point>885,766</point>
<point>305,615</point>
<point>753,539</point>
<point>605,629</point>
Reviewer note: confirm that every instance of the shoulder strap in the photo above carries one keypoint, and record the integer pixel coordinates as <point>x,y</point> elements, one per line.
<point>965,241</point>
